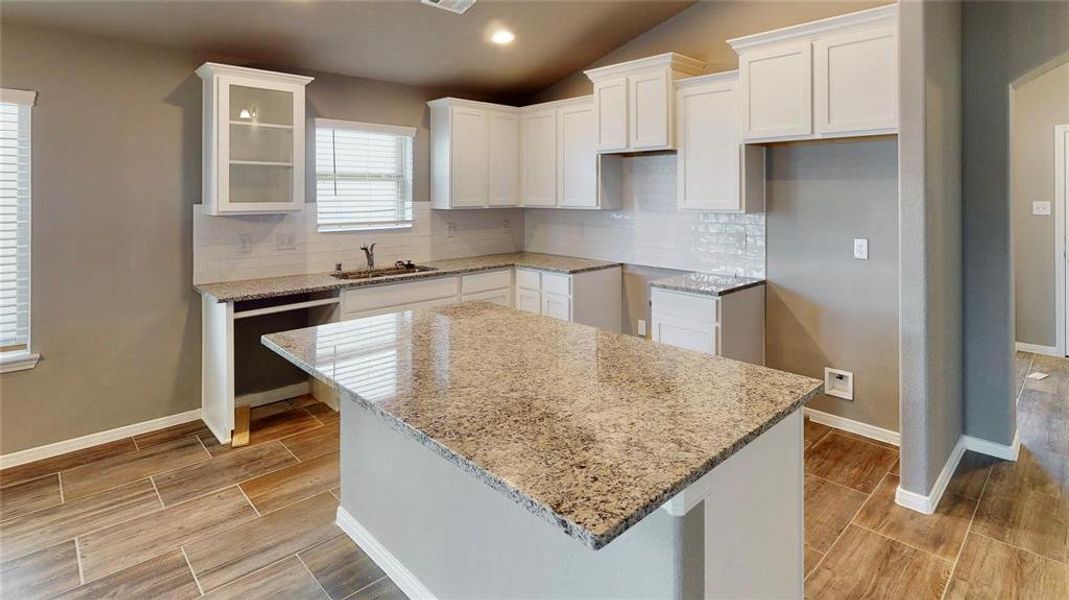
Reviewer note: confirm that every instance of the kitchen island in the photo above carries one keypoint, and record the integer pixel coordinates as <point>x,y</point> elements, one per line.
<point>490,453</point>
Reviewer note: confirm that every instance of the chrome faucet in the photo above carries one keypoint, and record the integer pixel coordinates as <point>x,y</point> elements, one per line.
<point>369,252</point>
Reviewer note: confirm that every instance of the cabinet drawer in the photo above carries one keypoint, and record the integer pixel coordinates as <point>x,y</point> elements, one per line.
<point>502,297</point>
<point>554,283</point>
<point>528,279</point>
<point>481,282</point>
<point>398,294</point>
<point>700,309</point>
<point>431,303</point>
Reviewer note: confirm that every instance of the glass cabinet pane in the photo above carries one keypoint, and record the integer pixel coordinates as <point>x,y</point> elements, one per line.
<point>260,183</point>
<point>259,105</point>
<point>256,142</point>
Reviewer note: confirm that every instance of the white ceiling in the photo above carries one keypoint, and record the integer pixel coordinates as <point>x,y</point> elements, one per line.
<point>392,40</point>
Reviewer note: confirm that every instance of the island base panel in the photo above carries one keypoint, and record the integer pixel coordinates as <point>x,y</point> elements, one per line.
<point>439,531</point>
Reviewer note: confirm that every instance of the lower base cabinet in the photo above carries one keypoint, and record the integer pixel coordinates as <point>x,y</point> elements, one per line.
<point>732,325</point>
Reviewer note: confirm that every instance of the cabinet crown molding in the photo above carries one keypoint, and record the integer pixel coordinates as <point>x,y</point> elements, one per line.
<point>861,18</point>
<point>210,69</point>
<point>687,82</point>
<point>677,62</point>
<point>451,101</point>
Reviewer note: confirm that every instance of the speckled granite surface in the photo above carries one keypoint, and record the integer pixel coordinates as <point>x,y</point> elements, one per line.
<point>589,429</point>
<point>709,284</point>
<point>268,287</point>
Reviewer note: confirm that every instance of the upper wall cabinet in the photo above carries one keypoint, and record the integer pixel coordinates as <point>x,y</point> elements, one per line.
<point>474,154</point>
<point>715,171</point>
<point>253,147</point>
<point>837,77</point>
<point>634,102</point>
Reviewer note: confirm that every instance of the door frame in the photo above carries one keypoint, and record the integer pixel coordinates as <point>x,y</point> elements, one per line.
<point>1061,227</point>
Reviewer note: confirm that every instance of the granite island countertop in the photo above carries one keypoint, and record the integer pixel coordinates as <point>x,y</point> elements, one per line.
<point>589,429</point>
<point>707,284</point>
<point>269,287</point>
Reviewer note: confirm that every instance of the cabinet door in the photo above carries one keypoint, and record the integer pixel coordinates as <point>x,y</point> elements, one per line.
<point>610,106</point>
<point>709,151</point>
<point>468,137</point>
<point>649,111</point>
<point>777,92</point>
<point>540,158</point>
<point>558,307</point>
<point>504,159</point>
<point>684,334</point>
<point>856,82</point>
<point>577,156</point>
<point>502,297</point>
<point>261,146</point>
<point>529,301</point>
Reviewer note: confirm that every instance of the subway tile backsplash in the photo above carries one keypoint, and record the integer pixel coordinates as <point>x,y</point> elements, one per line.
<point>649,230</point>
<point>246,247</point>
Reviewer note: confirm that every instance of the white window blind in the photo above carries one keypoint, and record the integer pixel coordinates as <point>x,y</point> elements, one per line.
<point>15,106</point>
<point>363,175</point>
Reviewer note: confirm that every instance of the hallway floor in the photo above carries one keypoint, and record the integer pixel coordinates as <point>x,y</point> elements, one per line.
<point>172,514</point>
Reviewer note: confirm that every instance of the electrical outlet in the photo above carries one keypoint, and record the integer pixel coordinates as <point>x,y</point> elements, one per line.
<point>861,248</point>
<point>451,230</point>
<point>245,243</point>
<point>582,230</point>
<point>286,240</point>
<point>506,225</point>
<point>640,327</point>
<point>1041,209</point>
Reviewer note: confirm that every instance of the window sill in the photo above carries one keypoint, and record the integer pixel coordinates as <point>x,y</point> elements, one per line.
<point>18,361</point>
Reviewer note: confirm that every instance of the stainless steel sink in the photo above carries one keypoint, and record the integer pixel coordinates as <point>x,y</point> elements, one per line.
<point>384,272</point>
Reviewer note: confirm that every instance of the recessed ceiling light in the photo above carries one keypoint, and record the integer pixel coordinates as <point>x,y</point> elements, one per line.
<point>502,37</point>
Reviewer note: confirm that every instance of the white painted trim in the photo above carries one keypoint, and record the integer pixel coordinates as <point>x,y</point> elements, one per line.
<point>95,439</point>
<point>366,127</point>
<point>995,449</point>
<point>671,60</point>
<point>210,69</point>
<point>862,429</point>
<point>928,504</point>
<point>278,394</point>
<point>1038,349</point>
<point>397,572</point>
<point>18,361</point>
<point>1061,227</point>
<point>861,18</point>
<point>24,97</point>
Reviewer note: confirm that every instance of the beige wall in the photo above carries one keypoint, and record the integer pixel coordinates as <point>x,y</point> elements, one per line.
<point>116,170</point>
<point>702,32</point>
<point>1038,105</point>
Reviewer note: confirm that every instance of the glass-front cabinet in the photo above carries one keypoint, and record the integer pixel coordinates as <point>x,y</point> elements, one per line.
<point>253,140</point>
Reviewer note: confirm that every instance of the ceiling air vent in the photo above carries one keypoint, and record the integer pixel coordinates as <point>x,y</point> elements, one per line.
<point>453,6</point>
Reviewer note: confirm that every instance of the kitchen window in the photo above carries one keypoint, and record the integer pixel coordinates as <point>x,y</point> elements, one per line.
<point>15,107</point>
<point>363,175</point>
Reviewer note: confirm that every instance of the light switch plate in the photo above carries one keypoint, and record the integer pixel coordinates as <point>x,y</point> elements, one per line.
<point>1041,209</point>
<point>861,248</point>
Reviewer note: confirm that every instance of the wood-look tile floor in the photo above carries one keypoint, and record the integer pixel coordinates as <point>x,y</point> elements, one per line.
<point>172,514</point>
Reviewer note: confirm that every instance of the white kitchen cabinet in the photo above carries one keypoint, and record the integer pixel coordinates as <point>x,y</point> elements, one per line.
<point>539,157</point>
<point>474,154</point>
<point>253,140</point>
<point>634,102</point>
<point>591,297</point>
<point>837,77</point>
<point>577,156</point>
<point>730,325</point>
<point>715,171</point>
<point>502,297</point>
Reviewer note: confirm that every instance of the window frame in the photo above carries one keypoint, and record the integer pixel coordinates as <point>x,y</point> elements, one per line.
<point>24,357</point>
<point>364,127</point>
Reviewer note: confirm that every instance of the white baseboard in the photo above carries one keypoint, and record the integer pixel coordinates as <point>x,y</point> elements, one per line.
<point>397,572</point>
<point>928,504</point>
<point>862,429</point>
<point>995,449</point>
<point>1037,349</point>
<point>276,395</point>
<point>94,439</point>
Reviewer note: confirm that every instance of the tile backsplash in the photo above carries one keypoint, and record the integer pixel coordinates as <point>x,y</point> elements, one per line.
<point>649,230</point>
<point>247,247</point>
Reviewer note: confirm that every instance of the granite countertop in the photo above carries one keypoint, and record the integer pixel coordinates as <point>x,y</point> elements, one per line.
<point>589,429</point>
<point>268,287</point>
<point>709,284</point>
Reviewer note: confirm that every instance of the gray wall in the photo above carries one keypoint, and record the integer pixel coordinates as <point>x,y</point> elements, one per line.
<point>930,241</point>
<point>1002,41</point>
<point>824,307</point>
<point>1038,105</point>
<point>116,169</point>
